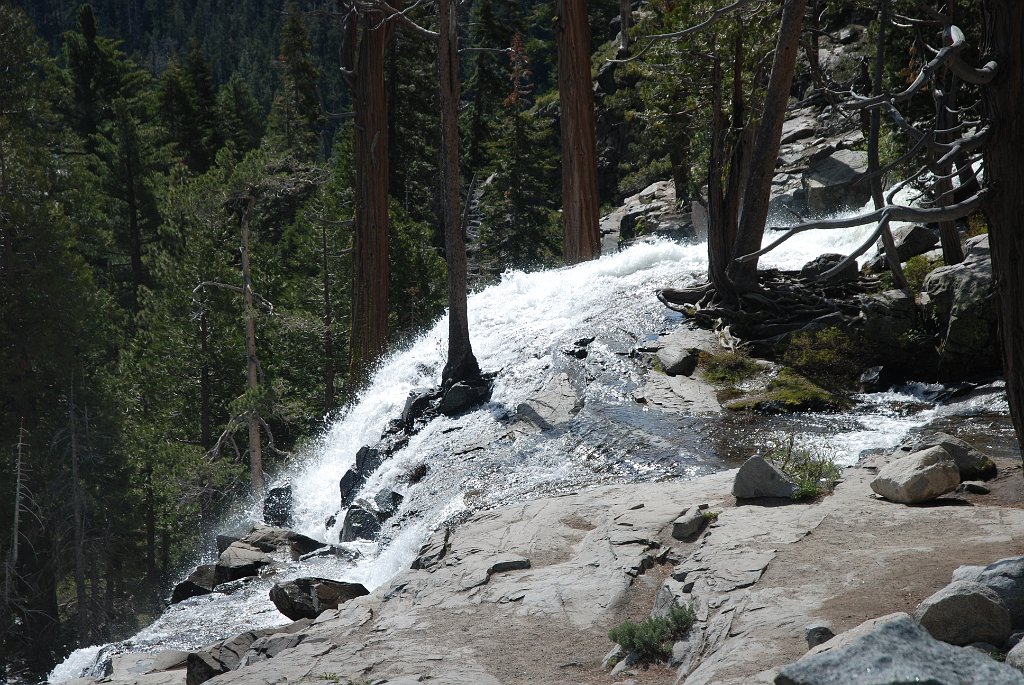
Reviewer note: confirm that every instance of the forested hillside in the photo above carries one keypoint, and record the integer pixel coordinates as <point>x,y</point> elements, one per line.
<point>179,184</point>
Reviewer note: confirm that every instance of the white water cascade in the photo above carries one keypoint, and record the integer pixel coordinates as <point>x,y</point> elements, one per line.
<point>519,328</point>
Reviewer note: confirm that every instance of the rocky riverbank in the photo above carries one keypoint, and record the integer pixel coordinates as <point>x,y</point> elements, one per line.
<point>527,593</point>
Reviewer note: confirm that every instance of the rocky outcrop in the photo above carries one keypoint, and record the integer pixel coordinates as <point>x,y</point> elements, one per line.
<point>228,655</point>
<point>965,612</point>
<point>360,524</point>
<point>910,239</point>
<point>760,478</point>
<point>1004,577</point>
<point>833,183</point>
<point>897,652</point>
<point>277,506</point>
<point>918,477</point>
<point>310,597</point>
<point>961,299</point>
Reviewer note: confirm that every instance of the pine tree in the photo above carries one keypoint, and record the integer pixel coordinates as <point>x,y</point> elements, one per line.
<point>296,117</point>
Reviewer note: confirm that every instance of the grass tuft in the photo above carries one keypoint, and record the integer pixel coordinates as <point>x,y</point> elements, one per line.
<point>652,639</point>
<point>814,473</point>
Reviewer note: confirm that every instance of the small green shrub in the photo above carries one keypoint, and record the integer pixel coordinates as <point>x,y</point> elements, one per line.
<point>652,639</point>
<point>727,368</point>
<point>813,472</point>
<point>830,357</point>
<point>710,516</point>
<point>917,268</point>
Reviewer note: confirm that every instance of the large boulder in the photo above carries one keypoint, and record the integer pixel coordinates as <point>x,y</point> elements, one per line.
<point>889,317</point>
<point>310,597</point>
<point>971,462</point>
<point>200,582</point>
<point>463,396</point>
<point>961,299</point>
<point>281,541</point>
<point>964,612</point>
<point>911,240</point>
<point>277,506</point>
<point>918,477</point>
<point>359,524</point>
<point>822,264</point>
<point>831,183</point>
<point>1006,578</point>
<point>898,652</point>
<point>241,560</point>
<point>759,478</point>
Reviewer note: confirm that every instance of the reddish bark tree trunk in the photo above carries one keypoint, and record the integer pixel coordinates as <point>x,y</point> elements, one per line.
<point>580,205</point>
<point>766,145</point>
<point>369,332</point>
<point>461,364</point>
<point>1004,169</point>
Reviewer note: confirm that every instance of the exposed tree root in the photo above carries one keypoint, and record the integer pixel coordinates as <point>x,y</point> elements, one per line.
<point>785,304</point>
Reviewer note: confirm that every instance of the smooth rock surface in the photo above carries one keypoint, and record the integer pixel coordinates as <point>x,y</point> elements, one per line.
<point>830,182</point>
<point>918,477</point>
<point>758,478</point>
<point>964,612</point>
<point>898,652</point>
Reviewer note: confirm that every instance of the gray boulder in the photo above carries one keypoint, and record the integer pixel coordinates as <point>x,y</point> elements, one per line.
<point>277,506</point>
<point>831,183</point>
<point>241,560</point>
<point>972,463</point>
<point>918,477</point>
<point>310,597</point>
<point>1006,578</point>
<point>758,478</point>
<point>360,524</point>
<point>281,541</point>
<point>824,263</point>
<point>964,612</point>
<point>898,652</point>
<point>200,582</point>
<point>911,240</point>
<point>961,298</point>
<point>677,360</point>
<point>1015,657</point>
<point>463,396</point>
<point>889,318</point>
<point>349,486</point>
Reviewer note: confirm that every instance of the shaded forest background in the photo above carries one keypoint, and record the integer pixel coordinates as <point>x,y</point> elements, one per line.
<point>135,137</point>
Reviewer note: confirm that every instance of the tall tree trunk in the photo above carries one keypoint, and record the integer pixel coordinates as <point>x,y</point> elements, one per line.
<point>766,145</point>
<point>328,323</point>
<point>205,384</point>
<point>952,250</point>
<point>369,335</point>
<point>461,364</point>
<point>580,205</point>
<point>1004,171</point>
<point>252,362</point>
<point>874,133</point>
<point>83,620</point>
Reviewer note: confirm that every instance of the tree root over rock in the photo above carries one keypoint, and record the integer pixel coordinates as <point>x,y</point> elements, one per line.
<point>786,303</point>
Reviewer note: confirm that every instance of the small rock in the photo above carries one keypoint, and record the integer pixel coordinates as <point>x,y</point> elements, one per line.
<point>964,612</point>
<point>387,502</point>
<point>349,486</point>
<point>918,477</point>
<point>974,488</point>
<point>818,633</point>
<point>758,478</point>
<point>691,521</point>
<point>677,361</point>
<point>463,395</point>
<point>200,582</point>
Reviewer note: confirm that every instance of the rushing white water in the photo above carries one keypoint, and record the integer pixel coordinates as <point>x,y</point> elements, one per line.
<point>519,328</point>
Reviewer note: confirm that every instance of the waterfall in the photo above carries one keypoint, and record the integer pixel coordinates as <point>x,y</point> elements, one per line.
<point>520,328</point>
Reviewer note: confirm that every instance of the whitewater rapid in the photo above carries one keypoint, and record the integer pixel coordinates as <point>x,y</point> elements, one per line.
<point>519,328</point>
